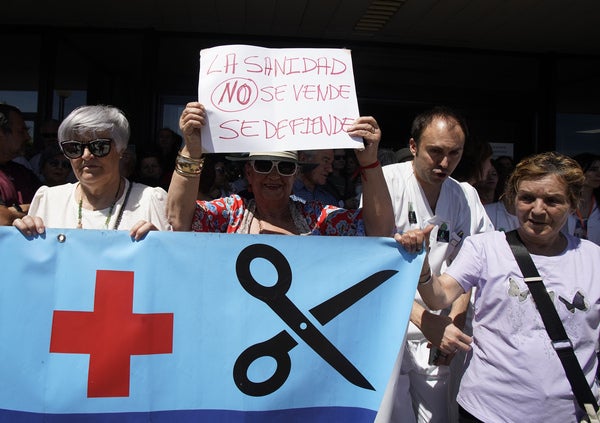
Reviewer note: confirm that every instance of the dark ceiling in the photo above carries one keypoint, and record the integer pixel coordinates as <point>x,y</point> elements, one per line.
<point>531,26</point>
<point>532,58</point>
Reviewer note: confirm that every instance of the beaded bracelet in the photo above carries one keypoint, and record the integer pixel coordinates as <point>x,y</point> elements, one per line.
<point>187,166</point>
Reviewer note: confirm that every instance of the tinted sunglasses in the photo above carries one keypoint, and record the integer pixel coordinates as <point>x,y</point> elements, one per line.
<point>266,166</point>
<point>74,149</point>
<point>60,163</point>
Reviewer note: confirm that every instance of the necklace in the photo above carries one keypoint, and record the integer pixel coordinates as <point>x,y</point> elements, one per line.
<point>260,225</point>
<point>110,211</point>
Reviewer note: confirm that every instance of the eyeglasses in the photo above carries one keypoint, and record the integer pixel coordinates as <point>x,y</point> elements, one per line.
<point>60,163</point>
<point>74,149</point>
<point>266,166</point>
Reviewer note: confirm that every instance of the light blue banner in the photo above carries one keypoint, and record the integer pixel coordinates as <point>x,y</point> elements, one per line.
<point>189,327</point>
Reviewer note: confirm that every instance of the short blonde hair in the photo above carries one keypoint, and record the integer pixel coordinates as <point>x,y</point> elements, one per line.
<point>544,164</point>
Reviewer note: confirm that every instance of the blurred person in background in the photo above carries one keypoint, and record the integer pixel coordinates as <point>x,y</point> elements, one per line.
<point>54,166</point>
<point>584,222</point>
<point>17,183</point>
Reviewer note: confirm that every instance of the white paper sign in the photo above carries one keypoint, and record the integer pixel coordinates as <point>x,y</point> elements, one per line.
<point>260,99</point>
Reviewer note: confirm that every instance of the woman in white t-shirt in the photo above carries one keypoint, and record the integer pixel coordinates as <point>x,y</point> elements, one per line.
<point>93,138</point>
<point>513,374</point>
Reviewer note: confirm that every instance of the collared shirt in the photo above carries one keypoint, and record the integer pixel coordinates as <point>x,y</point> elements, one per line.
<point>319,194</point>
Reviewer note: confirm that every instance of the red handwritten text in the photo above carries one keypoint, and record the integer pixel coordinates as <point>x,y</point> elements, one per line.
<point>276,66</point>
<point>319,125</point>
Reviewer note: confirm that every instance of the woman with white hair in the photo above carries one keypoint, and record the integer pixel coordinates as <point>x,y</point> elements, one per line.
<point>94,138</point>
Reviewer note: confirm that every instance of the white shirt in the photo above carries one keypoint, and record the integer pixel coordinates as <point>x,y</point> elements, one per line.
<point>458,213</point>
<point>59,208</point>
<point>500,217</point>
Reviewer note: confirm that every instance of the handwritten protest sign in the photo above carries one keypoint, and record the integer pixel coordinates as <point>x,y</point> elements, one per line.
<point>260,99</point>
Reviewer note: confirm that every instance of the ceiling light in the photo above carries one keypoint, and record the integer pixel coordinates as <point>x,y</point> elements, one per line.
<point>378,14</point>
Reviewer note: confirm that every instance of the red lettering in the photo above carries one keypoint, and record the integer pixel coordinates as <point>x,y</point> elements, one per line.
<point>317,126</point>
<point>344,91</point>
<point>294,123</point>
<point>268,67</point>
<point>270,130</point>
<point>228,91</point>
<point>346,123</point>
<point>230,63</point>
<point>275,130</point>
<point>324,95</point>
<point>246,127</point>
<point>269,95</point>
<point>308,62</point>
<point>273,93</point>
<point>225,126</point>
<point>210,69</point>
<point>279,66</point>
<point>291,61</point>
<point>252,67</point>
<point>244,94</point>
<point>310,125</point>
<point>342,69</point>
<point>321,92</point>
<point>322,65</point>
<point>309,92</point>
<point>235,94</point>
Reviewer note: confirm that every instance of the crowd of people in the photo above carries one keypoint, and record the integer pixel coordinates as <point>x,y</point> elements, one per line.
<point>475,342</point>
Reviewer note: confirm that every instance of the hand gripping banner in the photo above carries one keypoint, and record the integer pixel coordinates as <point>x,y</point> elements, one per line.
<point>199,327</point>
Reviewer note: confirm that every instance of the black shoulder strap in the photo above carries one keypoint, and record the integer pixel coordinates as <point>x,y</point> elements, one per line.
<point>560,341</point>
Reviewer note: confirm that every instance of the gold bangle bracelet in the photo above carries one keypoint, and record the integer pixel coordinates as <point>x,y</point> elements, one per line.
<point>188,166</point>
<point>184,173</point>
<point>188,158</point>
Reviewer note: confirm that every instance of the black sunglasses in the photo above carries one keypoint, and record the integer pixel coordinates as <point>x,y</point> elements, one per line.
<point>74,149</point>
<point>60,163</point>
<point>266,166</point>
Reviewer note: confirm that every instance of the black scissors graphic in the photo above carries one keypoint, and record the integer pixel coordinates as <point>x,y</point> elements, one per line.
<point>279,346</point>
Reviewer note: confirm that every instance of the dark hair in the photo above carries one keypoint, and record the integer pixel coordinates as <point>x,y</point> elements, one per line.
<point>48,154</point>
<point>422,121</point>
<point>586,160</point>
<point>208,175</point>
<point>544,164</point>
<point>5,110</point>
<point>470,167</point>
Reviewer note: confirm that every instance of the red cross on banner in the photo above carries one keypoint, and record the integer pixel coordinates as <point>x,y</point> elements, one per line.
<point>111,334</point>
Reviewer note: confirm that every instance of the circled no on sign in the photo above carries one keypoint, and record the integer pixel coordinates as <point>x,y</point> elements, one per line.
<point>234,95</point>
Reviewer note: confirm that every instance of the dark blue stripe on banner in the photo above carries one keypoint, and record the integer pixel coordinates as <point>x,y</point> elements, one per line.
<point>313,415</point>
